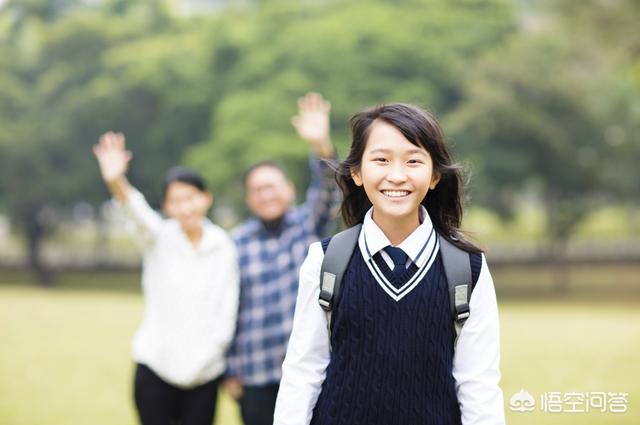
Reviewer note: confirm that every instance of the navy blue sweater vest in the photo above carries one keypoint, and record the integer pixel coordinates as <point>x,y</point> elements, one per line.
<point>391,362</point>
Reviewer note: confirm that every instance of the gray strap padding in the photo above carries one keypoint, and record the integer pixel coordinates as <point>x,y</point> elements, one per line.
<point>334,264</point>
<point>457,267</point>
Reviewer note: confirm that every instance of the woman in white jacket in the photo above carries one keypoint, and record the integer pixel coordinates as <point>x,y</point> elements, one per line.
<point>190,284</point>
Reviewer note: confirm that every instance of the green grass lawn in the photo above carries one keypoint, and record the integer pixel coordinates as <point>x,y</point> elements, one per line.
<point>65,356</point>
<point>586,346</point>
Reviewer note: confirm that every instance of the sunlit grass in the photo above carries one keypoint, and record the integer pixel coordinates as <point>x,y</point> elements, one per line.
<point>65,356</point>
<point>571,347</point>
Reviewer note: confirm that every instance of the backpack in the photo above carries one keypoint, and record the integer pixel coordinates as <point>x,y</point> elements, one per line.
<point>457,266</point>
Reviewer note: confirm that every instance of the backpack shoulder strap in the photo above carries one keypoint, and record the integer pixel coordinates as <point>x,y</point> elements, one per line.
<point>457,267</point>
<point>334,263</point>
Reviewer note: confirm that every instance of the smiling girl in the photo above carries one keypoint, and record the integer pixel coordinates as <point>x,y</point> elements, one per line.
<point>391,356</point>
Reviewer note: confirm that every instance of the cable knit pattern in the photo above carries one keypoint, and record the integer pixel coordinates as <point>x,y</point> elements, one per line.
<point>391,361</point>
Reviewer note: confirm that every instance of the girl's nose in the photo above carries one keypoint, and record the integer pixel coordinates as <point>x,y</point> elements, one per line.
<point>397,174</point>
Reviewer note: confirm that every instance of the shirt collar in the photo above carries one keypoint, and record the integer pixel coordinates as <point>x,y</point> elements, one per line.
<point>285,222</point>
<point>372,239</point>
<point>210,237</point>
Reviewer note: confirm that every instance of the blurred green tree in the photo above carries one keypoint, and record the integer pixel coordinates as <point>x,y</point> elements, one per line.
<point>355,53</point>
<point>551,103</point>
<point>550,111</point>
<point>64,82</point>
<point>607,33</point>
<point>526,120</point>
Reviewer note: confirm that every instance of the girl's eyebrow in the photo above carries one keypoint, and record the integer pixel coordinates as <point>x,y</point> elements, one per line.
<point>409,152</point>
<point>420,151</point>
<point>380,150</point>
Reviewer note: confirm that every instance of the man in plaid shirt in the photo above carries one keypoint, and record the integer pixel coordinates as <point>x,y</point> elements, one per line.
<point>271,248</point>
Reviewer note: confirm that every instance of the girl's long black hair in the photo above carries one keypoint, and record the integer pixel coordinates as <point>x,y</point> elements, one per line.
<point>444,203</point>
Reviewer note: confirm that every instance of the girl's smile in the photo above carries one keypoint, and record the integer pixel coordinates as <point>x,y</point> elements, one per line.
<point>395,194</point>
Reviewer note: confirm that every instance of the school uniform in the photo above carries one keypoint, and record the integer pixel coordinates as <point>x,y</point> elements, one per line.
<point>393,360</point>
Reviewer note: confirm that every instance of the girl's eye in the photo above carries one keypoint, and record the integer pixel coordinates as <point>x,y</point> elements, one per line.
<point>380,160</point>
<point>414,161</point>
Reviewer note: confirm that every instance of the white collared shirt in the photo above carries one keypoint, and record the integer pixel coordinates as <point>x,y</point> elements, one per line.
<point>421,251</point>
<point>416,246</point>
<point>476,359</point>
<point>190,297</point>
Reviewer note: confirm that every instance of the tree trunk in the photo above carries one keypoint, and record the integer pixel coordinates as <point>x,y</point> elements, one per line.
<point>558,231</point>
<point>560,270</point>
<point>35,233</point>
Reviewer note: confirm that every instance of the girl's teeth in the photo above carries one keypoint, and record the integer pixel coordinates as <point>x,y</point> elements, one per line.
<point>395,193</point>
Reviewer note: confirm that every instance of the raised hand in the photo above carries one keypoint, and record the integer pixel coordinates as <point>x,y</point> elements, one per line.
<point>113,158</point>
<point>312,122</point>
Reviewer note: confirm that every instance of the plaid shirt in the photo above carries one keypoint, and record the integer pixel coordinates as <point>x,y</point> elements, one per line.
<point>270,261</point>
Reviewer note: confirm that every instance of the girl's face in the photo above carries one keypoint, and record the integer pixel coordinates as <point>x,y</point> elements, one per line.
<point>187,204</point>
<point>395,173</point>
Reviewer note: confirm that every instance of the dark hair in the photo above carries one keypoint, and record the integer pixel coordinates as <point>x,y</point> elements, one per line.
<point>264,163</point>
<point>182,175</point>
<point>444,203</point>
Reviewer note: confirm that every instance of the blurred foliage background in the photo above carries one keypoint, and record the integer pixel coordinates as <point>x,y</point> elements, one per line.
<point>540,100</point>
